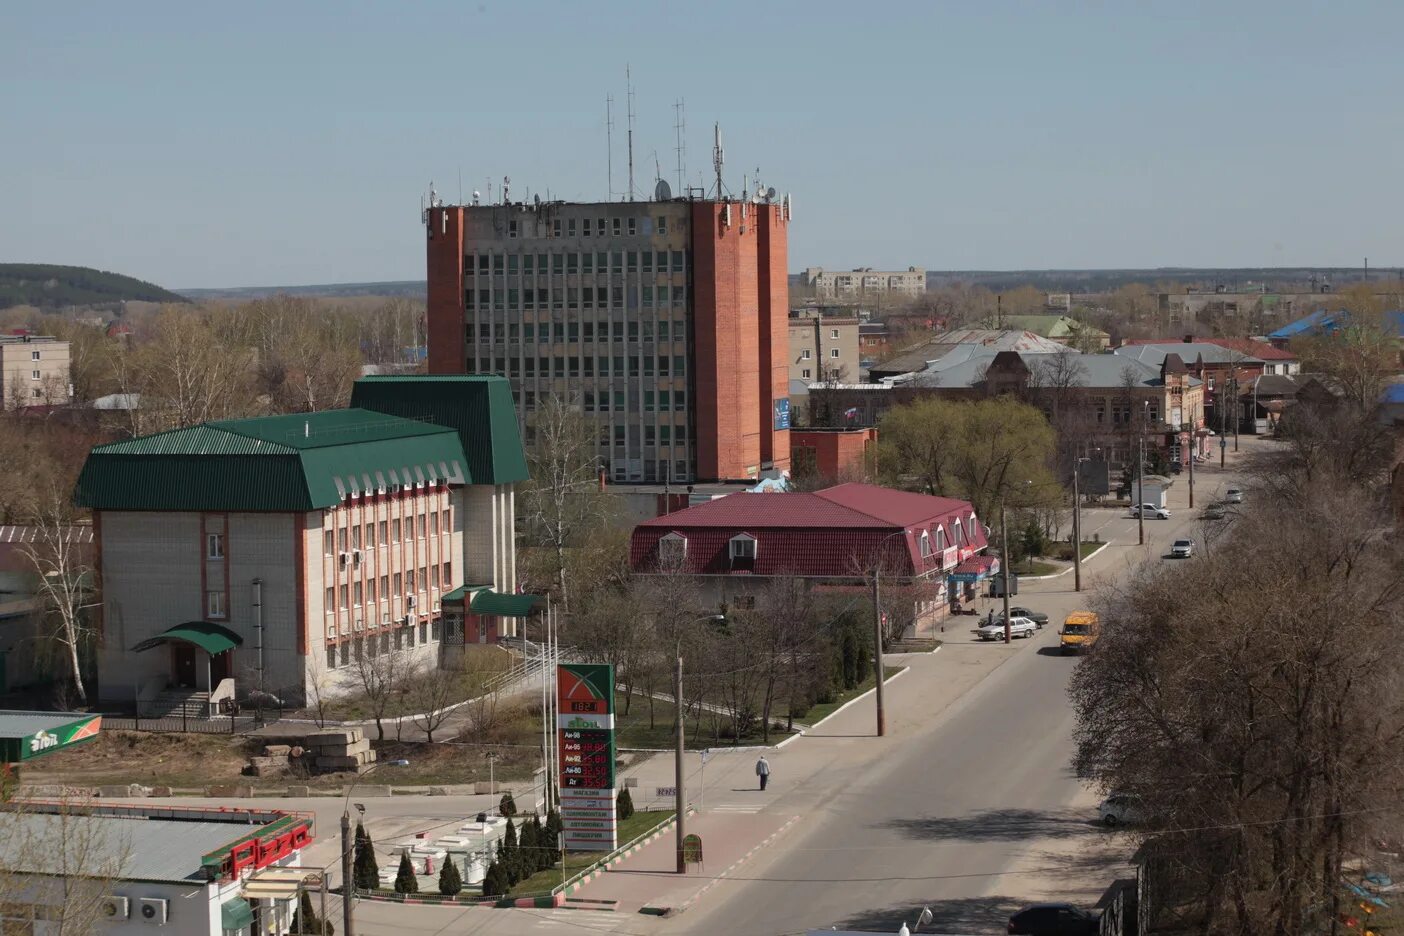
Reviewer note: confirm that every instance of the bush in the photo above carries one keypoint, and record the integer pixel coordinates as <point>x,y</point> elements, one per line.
<point>507,861</point>
<point>450,881</point>
<point>508,806</point>
<point>545,844</point>
<point>495,881</point>
<point>531,857</point>
<point>554,826</point>
<point>305,919</point>
<point>405,881</point>
<point>366,871</point>
<point>624,805</point>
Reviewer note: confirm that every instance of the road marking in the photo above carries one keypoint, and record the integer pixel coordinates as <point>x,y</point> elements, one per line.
<point>737,807</point>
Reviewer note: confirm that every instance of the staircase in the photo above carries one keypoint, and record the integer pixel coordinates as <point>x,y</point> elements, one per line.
<point>178,703</point>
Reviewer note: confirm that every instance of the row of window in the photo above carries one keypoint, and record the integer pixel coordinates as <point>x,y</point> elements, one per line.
<point>616,435</point>
<point>660,402</point>
<point>390,531</point>
<point>576,297</point>
<point>400,639</point>
<point>804,355</point>
<point>647,469</point>
<point>596,227</point>
<point>589,366</point>
<point>531,332</point>
<point>619,261</point>
<point>397,585</point>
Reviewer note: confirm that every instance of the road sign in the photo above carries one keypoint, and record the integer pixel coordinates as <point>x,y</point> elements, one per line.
<point>665,792</point>
<point>585,738</point>
<point>692,849</point>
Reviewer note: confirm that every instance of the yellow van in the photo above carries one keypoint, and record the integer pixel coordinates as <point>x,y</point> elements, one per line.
<point>1080,631</point>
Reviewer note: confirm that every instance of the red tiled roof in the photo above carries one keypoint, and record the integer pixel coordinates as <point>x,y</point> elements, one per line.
<point>1258,349</point>
<point>832,533</point>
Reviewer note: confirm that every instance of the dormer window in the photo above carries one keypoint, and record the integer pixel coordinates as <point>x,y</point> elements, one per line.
<point>925,542</point>
<point>672,550</point>
<point>743,548</point>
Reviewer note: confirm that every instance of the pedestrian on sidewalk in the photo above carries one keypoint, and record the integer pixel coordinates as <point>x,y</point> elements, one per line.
<point>763,771</point>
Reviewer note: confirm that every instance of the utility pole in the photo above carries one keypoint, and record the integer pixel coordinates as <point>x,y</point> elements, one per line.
<point>1141,477</point>
<point>1237,416</point>
<point>679,798</point>
<point>1193,453</point>
<point>877,643</point>
<point>1004,568</point>
<point>348,883</point>
<point>1077,526</point>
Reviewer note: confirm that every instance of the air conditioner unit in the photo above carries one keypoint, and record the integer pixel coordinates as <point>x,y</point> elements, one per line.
<point>155,910</point>
<point>116,908</point>
<point>342,557</point>
<point>331,630</point>
<point>409,602</point>
<point>360,625</point>
<point>409,619</point>
<point>380,490</point>
<point>356,556</point>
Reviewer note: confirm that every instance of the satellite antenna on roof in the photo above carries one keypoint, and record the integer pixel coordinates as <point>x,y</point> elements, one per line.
<point>718,156</point>
<point>662,191</point>
<point>536,200</point>
<point>770,194</point>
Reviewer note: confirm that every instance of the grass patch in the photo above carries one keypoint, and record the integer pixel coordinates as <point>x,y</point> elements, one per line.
<point>1063,551</point>
<point>825,709</point>
<point>1034,567</point>
<point>707,730</point>
<point>542,882</point>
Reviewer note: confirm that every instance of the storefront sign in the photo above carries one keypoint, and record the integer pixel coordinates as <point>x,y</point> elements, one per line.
<point>585,738</point>
<point>46,741</point>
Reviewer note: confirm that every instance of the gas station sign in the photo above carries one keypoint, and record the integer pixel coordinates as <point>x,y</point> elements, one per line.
<point>585,738</point>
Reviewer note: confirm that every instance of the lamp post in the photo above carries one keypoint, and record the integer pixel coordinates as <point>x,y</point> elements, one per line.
<point>679,777</point>
<point>877,629</point>
<point>1077,522</point>
<point>1193,445</point>
<point>1141,475</point>
<point>348,879</point>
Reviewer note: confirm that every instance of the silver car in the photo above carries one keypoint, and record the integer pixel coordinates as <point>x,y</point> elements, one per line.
<point>1018,627</point>
<point>1150,510</point>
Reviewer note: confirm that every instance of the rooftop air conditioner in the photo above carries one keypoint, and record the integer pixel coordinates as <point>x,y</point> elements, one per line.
<point>155,910</point>
<point>115,908</point>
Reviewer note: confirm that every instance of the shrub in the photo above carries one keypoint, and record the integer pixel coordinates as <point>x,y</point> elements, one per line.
<point>553,825</point>
<point>366,871</point>
<point>450,881</point>
<point>405,881</point>
<point>624,805</point>
<point>495,881</point>
<point>305,919</point>
<point>508,806</point>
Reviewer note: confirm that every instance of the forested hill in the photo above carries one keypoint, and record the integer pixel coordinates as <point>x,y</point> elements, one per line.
<point>50,286</point>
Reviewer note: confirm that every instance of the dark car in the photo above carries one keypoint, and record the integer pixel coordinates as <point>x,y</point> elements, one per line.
<point>1053,919</point>
<point>1038,617</point>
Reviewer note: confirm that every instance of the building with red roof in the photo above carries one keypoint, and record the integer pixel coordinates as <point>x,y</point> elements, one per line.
<point>834,538</point>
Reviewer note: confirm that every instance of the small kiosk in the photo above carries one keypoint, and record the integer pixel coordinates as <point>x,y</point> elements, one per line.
<point>27,735</point>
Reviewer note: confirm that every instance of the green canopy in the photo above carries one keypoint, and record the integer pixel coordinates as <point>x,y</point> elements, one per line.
<point>235,914</point>
<point>209,637</point>
<point>488,601</point>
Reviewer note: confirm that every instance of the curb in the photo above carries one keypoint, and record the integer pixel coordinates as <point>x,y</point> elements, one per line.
<point>674,911</point>
<point>617,857</point>
<point>1043,578</point>
<point>853,701</point>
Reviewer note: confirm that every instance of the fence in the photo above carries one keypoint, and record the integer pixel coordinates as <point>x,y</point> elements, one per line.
<point>185,723</point>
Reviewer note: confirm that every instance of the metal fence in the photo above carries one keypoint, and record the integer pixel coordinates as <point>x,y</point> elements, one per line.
<point>185,723</point>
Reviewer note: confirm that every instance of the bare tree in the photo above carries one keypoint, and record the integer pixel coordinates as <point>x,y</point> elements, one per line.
<point>383,676</point>
<point>321,686</point>
<point>58,863</point>
<point>65,584</point>
<point>431,691</point>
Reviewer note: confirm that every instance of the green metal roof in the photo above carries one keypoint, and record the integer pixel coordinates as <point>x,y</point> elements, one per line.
<point>478,407</point>
<point>209,637</point>
<point>488,601</point>
<point>24,735</point>
<point>271,463</point>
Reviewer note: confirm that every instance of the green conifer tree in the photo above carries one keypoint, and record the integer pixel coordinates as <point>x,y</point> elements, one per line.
<point>624,805</point>
<point>450,881</point>
<point>508,806</point>
<point>405,880</point>
<point>366,871</point>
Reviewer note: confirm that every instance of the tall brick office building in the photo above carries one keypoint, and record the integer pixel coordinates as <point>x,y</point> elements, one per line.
<point>666,320</point>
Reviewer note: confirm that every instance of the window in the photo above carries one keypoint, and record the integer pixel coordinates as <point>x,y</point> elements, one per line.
<point>672,550</point>
<point>214,604</point>
<point>345,597</point>
<point>356,537</point>
<point>34,375</point>
<point>330,601</point>
<point>804,355</point>
<point>214,546</point>
<point>805,373</point>
<point>448,574</point>
<point>833,352</point>
<point>423,631</point>
<point>833,333</point>
<point>385,586</point>
<point>384,532</point>
<point>399,586</point>
<point>370,591</point>
<point>395,530</point>
<point>34,355</point>
<point>356,594</point>
<point>331,658</point>
<point>743,548</point>
<point>633,226</point>
<point>409,582</point>
<point>662,224</point>
<point>341,539</point>
<point>570,227</point>
<point>615,226</point>
<point>585,232</point>
<point>925,543</point>
<point>328,543</point>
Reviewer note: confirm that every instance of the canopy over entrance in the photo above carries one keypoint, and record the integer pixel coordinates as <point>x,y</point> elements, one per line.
<point>488,601</point>
<point>209,637</point>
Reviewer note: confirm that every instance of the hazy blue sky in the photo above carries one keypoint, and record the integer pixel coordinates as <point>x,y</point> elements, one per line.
<point>203,144</point>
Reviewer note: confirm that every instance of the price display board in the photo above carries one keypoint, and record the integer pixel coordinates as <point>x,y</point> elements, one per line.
<point>585,738</point>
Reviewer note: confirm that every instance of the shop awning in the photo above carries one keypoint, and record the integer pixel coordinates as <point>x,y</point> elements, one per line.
<point>488,601</point>
<point>975,568</point>
<point>235,914</point>
<point>277,883</point>
<point>211,638</point>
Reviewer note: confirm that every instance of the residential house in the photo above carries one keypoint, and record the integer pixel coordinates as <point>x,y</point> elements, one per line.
<point>833,538</point>
<point>1222,368</point>
<point>936,348</point>
<point>33,371</point>
<point>1063,329</point>
<point>823,348</point>
<point>260,554</point>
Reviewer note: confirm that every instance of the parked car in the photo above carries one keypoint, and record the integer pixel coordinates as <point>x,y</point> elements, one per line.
<point>1214,512</point>
<point>1233,496</point>
<point>1018,627</point>
<point>1182,549</point>
<point>1038,617</point>
<point>1054,919</point>
<point>1150,510</point>
<point>1120,809</point>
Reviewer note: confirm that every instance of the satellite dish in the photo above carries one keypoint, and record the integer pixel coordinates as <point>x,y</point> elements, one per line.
<point>770,193</point>
<point>536,200</point>
<point>662,191</point>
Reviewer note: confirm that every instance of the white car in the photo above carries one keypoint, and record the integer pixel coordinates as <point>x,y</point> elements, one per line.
<point>1182,549</point>
<point>1018,627</point>
<point>1150,510</point>
<point>1120,809</point>
<point>1233,496</point>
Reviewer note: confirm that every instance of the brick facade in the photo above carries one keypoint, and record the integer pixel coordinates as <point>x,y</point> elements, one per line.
<point>445,305</point>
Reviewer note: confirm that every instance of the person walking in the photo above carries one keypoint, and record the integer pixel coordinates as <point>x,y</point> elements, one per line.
<point>763,771</point>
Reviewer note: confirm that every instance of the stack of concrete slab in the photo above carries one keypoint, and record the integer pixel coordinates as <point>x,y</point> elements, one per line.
<point>337,749</point>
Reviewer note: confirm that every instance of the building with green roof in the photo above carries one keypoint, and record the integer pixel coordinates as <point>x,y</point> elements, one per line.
<point>268,554</point>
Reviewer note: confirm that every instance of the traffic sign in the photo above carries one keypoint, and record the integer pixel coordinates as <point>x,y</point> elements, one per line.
<point>664,792</point>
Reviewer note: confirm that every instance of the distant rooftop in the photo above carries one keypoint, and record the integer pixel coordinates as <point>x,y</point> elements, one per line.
<point>939,346</point>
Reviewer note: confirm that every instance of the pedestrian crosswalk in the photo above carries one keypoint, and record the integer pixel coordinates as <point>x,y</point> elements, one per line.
<point>737,807</point>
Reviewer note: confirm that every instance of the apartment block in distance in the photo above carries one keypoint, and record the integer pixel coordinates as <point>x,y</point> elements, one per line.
<point>33,371</point>
<point>664,320</point>
<point>837,284</point>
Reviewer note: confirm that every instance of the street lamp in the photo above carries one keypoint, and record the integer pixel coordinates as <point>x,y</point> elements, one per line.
<point>348,879</point>
<point>877,628</point>
<point>679,796</point>
<point>1077,522</point>
<point>1141,475</point>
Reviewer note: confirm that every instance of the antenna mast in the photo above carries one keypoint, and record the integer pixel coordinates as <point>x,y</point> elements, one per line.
<point>717,156</point>
<point>679,131</point>
<point>609,142</point>
<point>629,97</point>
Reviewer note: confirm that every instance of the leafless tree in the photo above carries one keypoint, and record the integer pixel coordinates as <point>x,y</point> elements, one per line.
<point>321,686</point>
<point>383,677</point>
<point>65,583</point>
<point>432,690</point>
<point>57,865</point>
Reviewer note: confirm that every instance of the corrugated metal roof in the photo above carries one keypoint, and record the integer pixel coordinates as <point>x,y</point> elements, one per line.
<point>1189,352</point>
<point>477,406</point>
<point>969,340</point>
<point>1329,321</point>
<point>904,508</point>
<point>273,463</point>
<point>76,533</point>
<point>19,724</point>
<point>127,848</point>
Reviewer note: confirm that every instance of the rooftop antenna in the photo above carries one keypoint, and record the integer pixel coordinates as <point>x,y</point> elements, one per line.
<point>718,156</point>
<point>460,185</point>
<point>506,181</point>
<point>609,142</point>
<point>679,132</point>
<point>629,97</point>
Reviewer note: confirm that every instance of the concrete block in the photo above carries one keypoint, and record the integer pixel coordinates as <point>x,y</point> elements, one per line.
<point>277,750</point>
<point>373,790</point>
<point>299,792</point>
<point>334,736</point>
<point>357,747</point>
<point>161,791</point>
<point>124,791</point>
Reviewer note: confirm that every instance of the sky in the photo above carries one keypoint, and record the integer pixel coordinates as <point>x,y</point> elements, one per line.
<point>252,143</point>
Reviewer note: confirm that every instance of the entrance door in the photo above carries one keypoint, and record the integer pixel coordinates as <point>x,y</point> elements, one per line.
<point>219,668</point>
<point>184,660</point>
